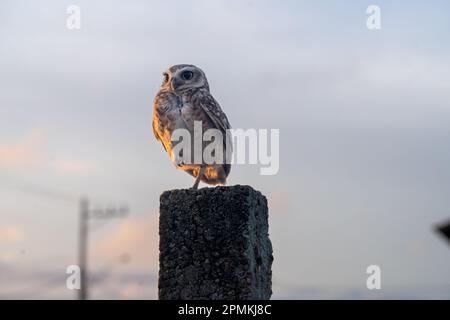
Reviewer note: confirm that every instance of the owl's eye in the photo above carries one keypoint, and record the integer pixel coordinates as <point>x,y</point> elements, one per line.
<point>187,75</point>
<point>166,78</point>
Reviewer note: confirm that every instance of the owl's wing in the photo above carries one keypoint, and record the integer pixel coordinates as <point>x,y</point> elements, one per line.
<point>212,109</point>
<point>165,113</point>
<point>155,132</point>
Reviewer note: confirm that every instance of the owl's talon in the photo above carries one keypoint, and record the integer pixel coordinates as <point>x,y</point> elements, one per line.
<point>199,177</point>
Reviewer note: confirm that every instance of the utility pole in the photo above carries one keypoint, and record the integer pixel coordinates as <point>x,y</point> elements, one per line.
<point>87,214</point>
<point>83,247</point>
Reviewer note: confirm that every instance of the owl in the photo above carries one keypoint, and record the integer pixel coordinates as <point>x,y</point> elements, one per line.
<point>183,99</point>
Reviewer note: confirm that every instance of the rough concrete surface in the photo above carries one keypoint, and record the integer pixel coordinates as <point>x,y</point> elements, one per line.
<point>214,244</point>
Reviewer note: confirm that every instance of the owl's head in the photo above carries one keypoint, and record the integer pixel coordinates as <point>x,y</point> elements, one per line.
<point>183,77</point>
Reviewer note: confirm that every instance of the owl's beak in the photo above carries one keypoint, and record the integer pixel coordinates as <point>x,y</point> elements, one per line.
<point>176,83</point>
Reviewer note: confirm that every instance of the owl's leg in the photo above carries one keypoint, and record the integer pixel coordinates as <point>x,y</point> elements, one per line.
<point>199,177</point>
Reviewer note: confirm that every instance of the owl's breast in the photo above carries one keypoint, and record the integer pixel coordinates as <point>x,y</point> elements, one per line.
<point>188,114</point>
<point>191,113</point>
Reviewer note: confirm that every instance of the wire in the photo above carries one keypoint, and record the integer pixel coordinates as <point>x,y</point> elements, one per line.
<point>35,190</point>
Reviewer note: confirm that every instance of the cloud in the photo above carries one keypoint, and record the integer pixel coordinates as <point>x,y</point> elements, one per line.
<point>11,234</point>
<point>28,152</point>
<point>279,202</point>
<point>25,153</point>
<point>7,257</point>
<point>135,242</point>
<point>74,167</point>
<point>134,291</point>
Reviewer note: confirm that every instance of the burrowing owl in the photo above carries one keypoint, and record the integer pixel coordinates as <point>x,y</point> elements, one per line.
<point>183,98</point>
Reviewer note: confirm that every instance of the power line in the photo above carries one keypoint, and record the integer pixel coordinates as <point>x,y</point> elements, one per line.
<point>40,191</point>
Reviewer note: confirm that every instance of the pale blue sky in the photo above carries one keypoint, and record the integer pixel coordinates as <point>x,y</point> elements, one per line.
<point>364,121</point>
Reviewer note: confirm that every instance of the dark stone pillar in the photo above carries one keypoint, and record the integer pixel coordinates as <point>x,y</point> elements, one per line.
<point>214,244</point>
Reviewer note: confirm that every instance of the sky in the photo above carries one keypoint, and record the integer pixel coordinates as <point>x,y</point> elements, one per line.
<point>364,120</point>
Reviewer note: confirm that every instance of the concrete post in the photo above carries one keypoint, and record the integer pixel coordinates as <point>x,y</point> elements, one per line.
<point>214,244</point>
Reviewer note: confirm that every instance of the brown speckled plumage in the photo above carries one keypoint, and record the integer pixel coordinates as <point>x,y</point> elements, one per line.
<point>178,104</point>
